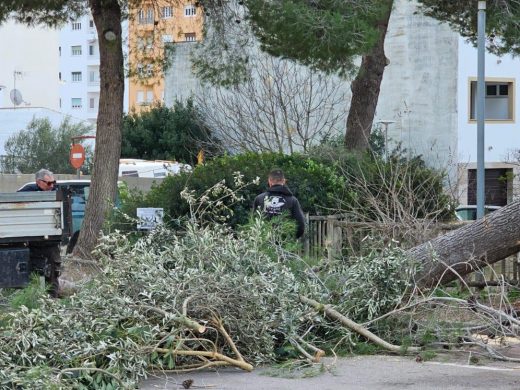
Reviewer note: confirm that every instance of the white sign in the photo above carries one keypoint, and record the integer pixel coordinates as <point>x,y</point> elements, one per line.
<point>149,217</point>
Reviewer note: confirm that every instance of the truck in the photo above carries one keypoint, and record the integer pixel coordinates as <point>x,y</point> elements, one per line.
<point>31,231</point>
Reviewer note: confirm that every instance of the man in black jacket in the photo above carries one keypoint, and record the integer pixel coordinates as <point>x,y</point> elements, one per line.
<point>279,199</point>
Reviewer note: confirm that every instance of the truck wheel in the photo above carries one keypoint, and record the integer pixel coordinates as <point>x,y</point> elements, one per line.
<point>53,269</point>
<point>72,242</point>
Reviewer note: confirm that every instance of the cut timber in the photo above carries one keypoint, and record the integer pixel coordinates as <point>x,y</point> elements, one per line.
<point>462,251</point>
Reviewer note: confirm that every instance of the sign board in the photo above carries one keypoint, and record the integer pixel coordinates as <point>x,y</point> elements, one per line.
<point>77,155</point>
<point>149,217</point>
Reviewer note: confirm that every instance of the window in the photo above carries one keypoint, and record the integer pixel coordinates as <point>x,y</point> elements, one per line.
<point>166,12</point>
<point>76,102</point>
<point>59,51</point>
<point>76,77</point>
<point>59,76</point>
<point>145,17</point>
<point>91,23</point>
<point>190,10</point>
<point>76,50</point>
<point>93,77</point>
<point>140,97</point>
<point>76,25</point>
<point>149,96</point>
<point>145,43</point>
<point>91,50</point>
<point>92,103</point>
<point>144,71</point>
<point>167,39</point>
<point>499,100</point>
<point>190,37</point>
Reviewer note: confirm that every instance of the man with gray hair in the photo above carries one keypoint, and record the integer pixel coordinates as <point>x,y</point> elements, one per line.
<point>44,182</point>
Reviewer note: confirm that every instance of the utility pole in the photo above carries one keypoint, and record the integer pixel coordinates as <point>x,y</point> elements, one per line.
<point>481,107</point>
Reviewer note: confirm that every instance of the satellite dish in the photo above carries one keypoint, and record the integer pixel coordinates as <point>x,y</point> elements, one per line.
<point>16,97</point>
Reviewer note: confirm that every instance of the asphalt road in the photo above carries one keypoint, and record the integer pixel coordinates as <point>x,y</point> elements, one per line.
<point>361,372</point>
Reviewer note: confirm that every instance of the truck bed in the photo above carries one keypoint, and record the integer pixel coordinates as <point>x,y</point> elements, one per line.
<point>30,215</point>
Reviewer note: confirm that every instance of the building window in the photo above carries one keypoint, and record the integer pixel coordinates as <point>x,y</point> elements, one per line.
<point>166,12</point>
<point>499,100</point>
<point>190,37</point>
<point>91,50</point>
<point>190,10</point>
<point>145,43</point>
<point>145,17</point>
<point>76,50</point>
<point>149,96</point>
<point>59,51</point>
<point>167,39</point>
<point>91,23</point>
<point>59,76</point>
<point>93,77</point>
<point>76,102</point>
<point>76,25</point>
<point>76,77</point>
<point>92,103</point>
<point>140,97</point>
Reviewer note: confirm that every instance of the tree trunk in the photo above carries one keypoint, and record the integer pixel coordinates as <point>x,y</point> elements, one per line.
<point>365,90</point>
<point>480,243</point>
<point>103,190</point>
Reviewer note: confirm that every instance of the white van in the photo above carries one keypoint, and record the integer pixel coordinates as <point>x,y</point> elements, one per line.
<point>154,169</point>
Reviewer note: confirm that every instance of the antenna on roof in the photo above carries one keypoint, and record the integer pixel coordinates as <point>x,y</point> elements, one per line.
<point>16,97</point>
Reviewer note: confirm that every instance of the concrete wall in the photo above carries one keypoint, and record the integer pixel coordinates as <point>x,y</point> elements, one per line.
<point>419,88</point>
<point>11,182</point>
<point>179,81</point>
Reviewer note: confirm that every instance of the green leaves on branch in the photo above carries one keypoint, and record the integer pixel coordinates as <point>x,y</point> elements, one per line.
<point>327,35</point>
<point>502,21</point>
<point>42,146</point>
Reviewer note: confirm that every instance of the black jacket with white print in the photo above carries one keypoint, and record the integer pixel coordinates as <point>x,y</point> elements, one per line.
<point>276,200</point>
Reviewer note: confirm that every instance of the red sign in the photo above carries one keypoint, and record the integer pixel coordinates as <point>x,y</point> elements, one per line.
<point>77,156</point>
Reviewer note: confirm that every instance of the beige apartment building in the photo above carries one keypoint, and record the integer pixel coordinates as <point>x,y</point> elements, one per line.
<point>151,29</point>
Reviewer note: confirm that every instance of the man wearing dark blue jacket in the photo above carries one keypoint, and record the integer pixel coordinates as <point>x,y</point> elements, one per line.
<point>279,199</point>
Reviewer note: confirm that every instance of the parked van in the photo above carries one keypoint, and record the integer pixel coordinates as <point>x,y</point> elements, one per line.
<point>154,169</point>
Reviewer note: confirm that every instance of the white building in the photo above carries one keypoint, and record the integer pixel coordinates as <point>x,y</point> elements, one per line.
<point>79,69</point>
<point>429,91</point>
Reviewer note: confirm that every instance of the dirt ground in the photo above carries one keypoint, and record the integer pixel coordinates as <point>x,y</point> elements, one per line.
<point>361,372</point>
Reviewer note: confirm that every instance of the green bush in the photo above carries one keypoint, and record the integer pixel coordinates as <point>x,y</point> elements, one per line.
<point>316,186</point>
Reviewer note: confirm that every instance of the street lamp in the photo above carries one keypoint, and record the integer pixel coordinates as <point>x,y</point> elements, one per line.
<point>385,123</point>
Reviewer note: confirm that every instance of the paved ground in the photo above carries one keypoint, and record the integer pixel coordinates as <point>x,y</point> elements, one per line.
<point>362,372</point>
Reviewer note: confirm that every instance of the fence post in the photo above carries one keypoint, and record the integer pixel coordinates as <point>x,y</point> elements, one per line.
<point>307,236</point>
<point>330,237</point>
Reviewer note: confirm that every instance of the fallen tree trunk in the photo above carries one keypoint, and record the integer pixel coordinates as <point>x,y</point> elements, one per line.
<point>462,251</point>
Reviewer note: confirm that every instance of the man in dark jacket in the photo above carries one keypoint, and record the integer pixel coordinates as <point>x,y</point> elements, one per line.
<point>279,199</point>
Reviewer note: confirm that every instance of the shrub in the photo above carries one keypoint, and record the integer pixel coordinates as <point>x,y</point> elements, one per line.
<point>316,186</point>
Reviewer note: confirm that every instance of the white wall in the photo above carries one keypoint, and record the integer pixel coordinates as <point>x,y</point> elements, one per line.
<point>419,88</point>
<point>34,53</point>
<point>500,138</point>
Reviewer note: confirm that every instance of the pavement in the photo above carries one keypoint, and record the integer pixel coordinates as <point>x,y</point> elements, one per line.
<point>360,372</point>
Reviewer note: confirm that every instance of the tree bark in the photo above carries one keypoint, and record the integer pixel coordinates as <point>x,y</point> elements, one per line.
<point>103,190</point>
<point>483,242</point>
<point>365,90</point>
